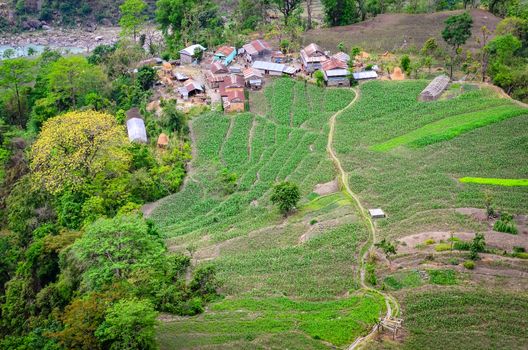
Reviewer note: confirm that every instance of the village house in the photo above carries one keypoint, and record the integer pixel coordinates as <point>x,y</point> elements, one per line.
<point>188,55</point>
<point>278,57</point>
<point>190,88</point>
<point>232,92</point>
<point>216,74</point>
<point>136,126</point>
<point>342,57</point>
<point>225,54</point>
<point>365,75</point>
<point>257,49</point>
<point>335,72</point>
<point>253,78</point>
<point>312,57</point>
<point>269,68</point>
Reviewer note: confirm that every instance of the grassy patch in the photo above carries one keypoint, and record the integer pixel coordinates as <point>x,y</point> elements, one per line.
<point>409,279</point>
<point>493,181</point>
<point>471,320</point>
<point>442,277</point>
<point>246,320</point>
<point>450,127</point>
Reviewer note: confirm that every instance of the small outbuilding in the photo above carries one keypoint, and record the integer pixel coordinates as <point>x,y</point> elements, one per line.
<point>163,140</point>
<point>190,88</point>
<point>136,126</point>
<point>435,88</point>
<point>376,213</point>
<point>253,78</point>
<point>188,55</point>
<point>365,75</point>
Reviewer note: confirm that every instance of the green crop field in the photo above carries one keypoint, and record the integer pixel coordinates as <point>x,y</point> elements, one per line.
<point>496,182</point>
<point>458,319</point>
<point>291,280</point>
<point>418,187</point>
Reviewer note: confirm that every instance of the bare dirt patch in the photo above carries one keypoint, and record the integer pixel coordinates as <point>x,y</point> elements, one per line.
<point>327,188</point>
<point>389,32</point>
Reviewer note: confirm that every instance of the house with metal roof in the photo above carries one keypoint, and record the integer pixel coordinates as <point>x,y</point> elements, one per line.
<point>268,68</point>
<point>365,75</point>
<point>190,88</point>
<point>232,92</point>
<point>136,126</point>
<point>253,78</point>
<point>335,72</point>
<point>312,57</point>
<point>342,57</point>
<point>256,49</point>
<point>216,74</point>
<point>188,55</point>
<point>225,54</point>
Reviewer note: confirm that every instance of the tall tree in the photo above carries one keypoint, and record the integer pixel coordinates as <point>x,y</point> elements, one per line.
<point>456,33</point>
<point>132,17</point>
<point>15,73</point>
<point>339,12</point>
<point>287,7</point>
<point>70,78</point>
<point>77,146</point>
<point>286,195</point>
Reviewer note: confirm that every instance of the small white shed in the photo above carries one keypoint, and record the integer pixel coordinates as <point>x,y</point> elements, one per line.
<point>136,126</point>
<point>376,213</point>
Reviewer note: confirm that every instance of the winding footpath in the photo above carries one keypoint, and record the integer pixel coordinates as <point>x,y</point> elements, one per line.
<point>391,303</point>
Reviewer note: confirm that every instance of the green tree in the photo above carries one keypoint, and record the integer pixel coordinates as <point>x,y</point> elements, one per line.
<point>340,12</point>
<point>405,64</point>
<point>70,78</point>
<point>319,78</point>
<point>285,196</point>
<point>287,8</point>
<point>129,325</point>
<point>14,74</point>
<point>132,17</point>
<point>146,77</point>
<point>112,250</point>
<point>478,244</point>
<point>456,33</point>
<point>387,247</point>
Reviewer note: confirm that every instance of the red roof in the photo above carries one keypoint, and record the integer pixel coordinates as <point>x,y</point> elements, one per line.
<point>313,49</point>
<point>334,63</point>
<point>224,51</point>
<point>260,45</point>
<point>231,82</point>
<point>218,67</point>
<point>235,96</point>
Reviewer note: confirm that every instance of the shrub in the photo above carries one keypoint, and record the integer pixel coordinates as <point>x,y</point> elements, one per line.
<point>430,241</point>
<point>453,261</point>
<point>506,224</point>
<point>313,222</point>
<point>442,277</point>
<point>461,245</point>
<point>442,247</point>
<point>469,264</point>
<point>371,274</point>
<point>517,249</point>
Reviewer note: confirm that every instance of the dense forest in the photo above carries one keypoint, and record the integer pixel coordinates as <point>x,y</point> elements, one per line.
<point>80,268</point>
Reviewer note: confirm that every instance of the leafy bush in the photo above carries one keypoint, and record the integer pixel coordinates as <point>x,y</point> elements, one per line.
<point>429,241</point>
<point>469,264</point>
<point>442,277</point>
<point>506,224</point>
<point>462,245</point>
<point>441,247</point>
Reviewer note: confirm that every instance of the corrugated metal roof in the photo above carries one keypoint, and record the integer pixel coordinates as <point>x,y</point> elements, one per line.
<point>251,73</point>
<point>342,56</point>
<point>250,49</point>
<point>333,63</point>
<point>289,70</point>
<point>337,73</point>
<point>190,50</point>
<point>224,51</point>
<point>276,67</point>
<point>181,76</point>
<point>368,74</point>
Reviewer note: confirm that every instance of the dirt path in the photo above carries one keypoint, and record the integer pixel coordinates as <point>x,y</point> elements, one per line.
<point>343,179</point>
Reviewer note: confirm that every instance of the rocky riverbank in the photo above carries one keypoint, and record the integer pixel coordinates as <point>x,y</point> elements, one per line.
<point>83,39</point>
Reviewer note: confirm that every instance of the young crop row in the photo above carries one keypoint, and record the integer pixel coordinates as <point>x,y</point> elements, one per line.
<point>494,181</point>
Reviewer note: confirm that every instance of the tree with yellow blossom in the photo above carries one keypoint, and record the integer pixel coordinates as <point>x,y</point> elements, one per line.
<point>72,149</point>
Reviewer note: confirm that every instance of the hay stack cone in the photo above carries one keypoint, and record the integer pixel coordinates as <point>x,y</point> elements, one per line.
<point>163,141</point>
<point>397,74</point>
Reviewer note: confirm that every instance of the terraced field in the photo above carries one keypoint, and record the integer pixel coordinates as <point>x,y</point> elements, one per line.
<point>417,184</point>
<point>290,281</point>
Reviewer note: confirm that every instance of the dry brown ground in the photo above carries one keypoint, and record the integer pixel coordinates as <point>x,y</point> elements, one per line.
<point>389,32</point>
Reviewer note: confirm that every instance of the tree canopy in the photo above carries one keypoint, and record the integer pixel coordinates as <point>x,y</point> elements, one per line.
<point>132,17</point>
<point>286,195</point>
<point>75,147</point>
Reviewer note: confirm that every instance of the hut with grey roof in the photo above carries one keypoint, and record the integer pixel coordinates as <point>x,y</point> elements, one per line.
<point>435,88</point>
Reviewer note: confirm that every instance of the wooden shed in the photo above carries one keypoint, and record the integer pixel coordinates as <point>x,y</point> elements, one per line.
<point>435,88</point>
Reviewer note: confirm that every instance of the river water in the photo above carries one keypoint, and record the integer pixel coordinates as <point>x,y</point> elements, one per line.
<point>20,51</point>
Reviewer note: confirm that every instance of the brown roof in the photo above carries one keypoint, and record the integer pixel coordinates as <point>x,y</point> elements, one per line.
<point>251,73</point>
<point>313,49</point>
<point>133,113</point>
<point>260,45</point>
<point>218,67</point>
<point>225,50</point>
<point>334,63</point>
<point>231,82</point>
<point>235,96</point>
